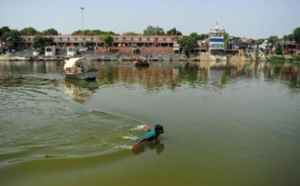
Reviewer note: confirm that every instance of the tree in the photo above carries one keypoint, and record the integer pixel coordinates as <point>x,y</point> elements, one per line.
<point>226,39</point>
<point>3,30</point>
<point>78,32</point>
<point>97,32</point>
<point>174,31</point>
<point>189,43</point>
<point>259,41</point>
<point>29,31</point>
<point>291,37</point>
<point>131,33</point>
<point>11,38</point>
<point>297,35</point>
<point>83,32</point>
<point>273,39</point>
<point>39,42</point>
<point>92,32</point>
<point>202,36</point>
<point>285,38</point>
<point>107,40</point>
<point>150,30</point>
<point>278,49</point>
<point>50,31</point>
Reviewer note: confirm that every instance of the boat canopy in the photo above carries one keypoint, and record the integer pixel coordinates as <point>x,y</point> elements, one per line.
<point>71,63</point>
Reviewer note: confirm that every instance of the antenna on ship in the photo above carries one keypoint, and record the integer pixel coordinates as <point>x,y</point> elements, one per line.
<point>222,24</point>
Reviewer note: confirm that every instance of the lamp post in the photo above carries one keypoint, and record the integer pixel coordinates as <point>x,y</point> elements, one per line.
<point>82,8</point>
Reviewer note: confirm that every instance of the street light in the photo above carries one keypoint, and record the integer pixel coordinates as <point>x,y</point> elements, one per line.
<point>82,8</point>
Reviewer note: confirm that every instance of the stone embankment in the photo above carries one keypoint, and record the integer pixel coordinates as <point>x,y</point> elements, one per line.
<point>229,58</point>
<point>114,54</point>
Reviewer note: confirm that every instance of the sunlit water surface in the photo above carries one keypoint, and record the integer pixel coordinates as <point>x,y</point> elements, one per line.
<point>237,125</point>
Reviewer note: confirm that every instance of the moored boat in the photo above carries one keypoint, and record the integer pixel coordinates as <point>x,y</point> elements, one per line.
<point>141,62</point>
<point>79,68</point>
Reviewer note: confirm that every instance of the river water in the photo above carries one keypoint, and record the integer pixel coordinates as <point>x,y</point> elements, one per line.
<point>237,125</point>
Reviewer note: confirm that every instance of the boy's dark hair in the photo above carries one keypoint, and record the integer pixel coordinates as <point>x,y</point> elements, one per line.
<point>158,127</point>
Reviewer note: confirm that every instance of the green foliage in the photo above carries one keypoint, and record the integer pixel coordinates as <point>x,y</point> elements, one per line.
<point>297,35</point>
<point>39,42</point>
<point>89,44</point>
<point>197,37</point>
<point>296,57</point>
<point>129,33</point>
<point>150,30</point>
<point>98,32</point>
<point>11,38</point>
<point>259,41</point>
<point>106,39</point>
<point>92,32</point>
<point>283,58</point>
<point>174,31</point>
<point>190,42</point>
<point>202,36</point>
<point>3,30</point>
<point>226,39</point>
<point>278,49</point>
<point>29,31</point>
<point>78,32</point>
<point>291,37</point>
<point>276,58</point>
<point>50,31</point>
<point>273,39</point>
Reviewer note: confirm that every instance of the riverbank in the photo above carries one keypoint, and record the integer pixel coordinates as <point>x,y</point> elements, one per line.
<point>94,56</point>
<point>284,58</point>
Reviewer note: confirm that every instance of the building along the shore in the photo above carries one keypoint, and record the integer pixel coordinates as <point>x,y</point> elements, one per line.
<point>121,43</point>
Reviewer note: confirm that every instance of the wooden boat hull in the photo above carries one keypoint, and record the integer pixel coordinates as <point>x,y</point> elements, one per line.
<point>85,75</point>
<point>141,63</point>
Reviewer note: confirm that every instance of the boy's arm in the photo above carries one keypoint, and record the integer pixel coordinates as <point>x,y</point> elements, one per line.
<point>139,142</point>
<point>147,127</point>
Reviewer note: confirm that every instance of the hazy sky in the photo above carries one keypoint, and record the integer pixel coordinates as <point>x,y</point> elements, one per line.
<point>253,19</point>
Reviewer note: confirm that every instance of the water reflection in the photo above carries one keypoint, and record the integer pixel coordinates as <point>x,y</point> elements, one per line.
<point>157,146</point>
<point>172,75</point>
<point>161,75</point>
<point>80,90</point>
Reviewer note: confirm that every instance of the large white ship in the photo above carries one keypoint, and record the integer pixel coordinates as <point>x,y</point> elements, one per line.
<point>216,47</point>
<point>216,41</point>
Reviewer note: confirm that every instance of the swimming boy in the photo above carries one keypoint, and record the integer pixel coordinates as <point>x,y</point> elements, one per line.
<point>150,135</point>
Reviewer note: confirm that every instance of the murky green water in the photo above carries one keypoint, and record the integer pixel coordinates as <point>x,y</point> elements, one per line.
<point>223,126</point>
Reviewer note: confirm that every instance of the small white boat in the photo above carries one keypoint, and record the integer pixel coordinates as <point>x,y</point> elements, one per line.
<point>79,68</point>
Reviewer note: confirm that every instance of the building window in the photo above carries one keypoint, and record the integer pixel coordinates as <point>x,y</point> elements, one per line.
<point>76,39</point>
<point>132,39</point>
<point>140,39</point>
<point>117,39</point>
<point>60,38</point>
<point>92,39</point>
<point>164,39</point>
<point>124,38</point>
<point>83,38</point>
<point>148,39</point>
<point>68,39</point>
